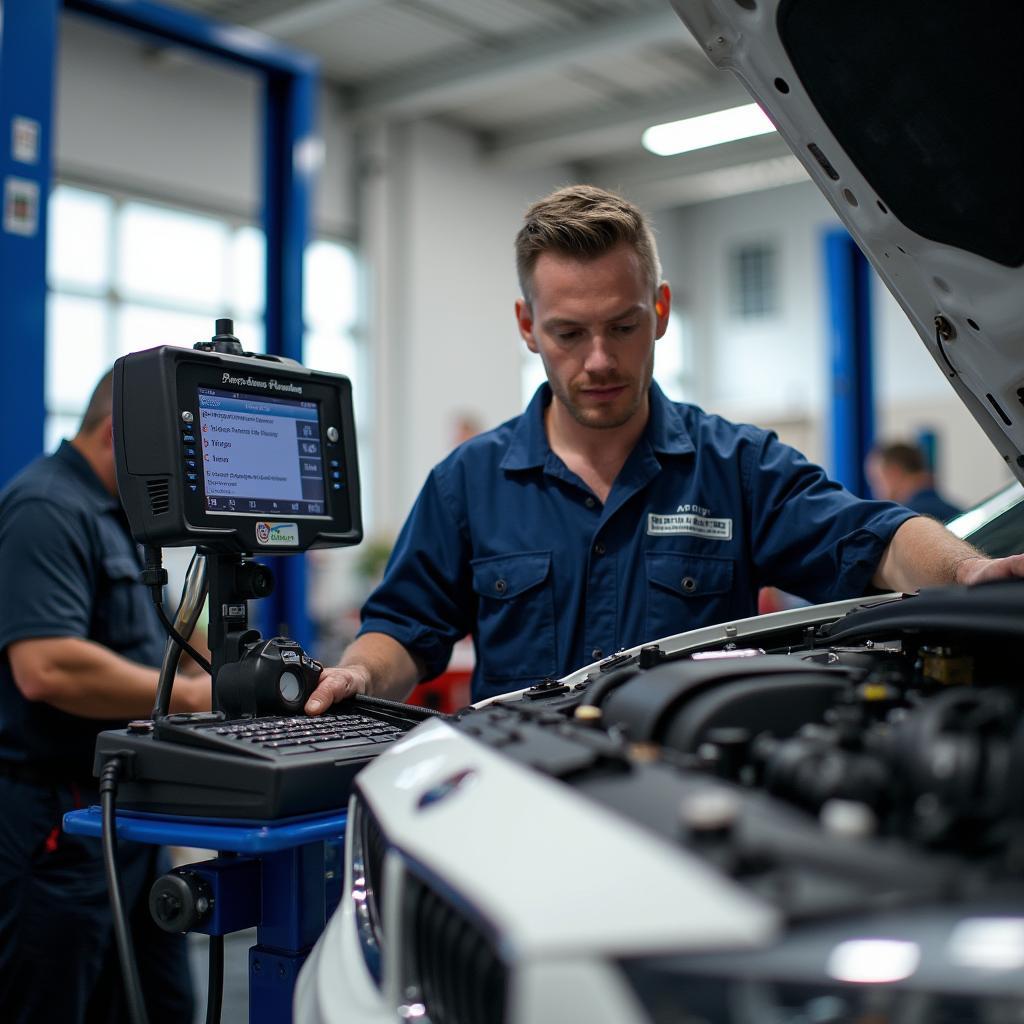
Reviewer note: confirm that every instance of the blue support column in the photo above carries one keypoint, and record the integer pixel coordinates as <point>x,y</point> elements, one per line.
<point>290,152</point>
<point>28,40</point>
<point>291,919</point>
<point>848,281</point>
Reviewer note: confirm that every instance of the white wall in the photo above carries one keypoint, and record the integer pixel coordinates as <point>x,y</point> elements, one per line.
<point>775,371</point>
<point>439,225</point>
<point>176,126</point>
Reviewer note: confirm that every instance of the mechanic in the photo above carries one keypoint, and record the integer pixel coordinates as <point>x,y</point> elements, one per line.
<point>898,471</point>
<point>78,637</point>
<point>606,516</point>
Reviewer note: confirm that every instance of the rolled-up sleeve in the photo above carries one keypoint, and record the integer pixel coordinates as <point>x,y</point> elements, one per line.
<point>425,600</point>
<point>809,535</point>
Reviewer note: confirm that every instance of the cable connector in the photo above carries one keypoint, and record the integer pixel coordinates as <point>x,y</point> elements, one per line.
<point>118,766</point>
<point>154,577</point>
<point>154,574</point>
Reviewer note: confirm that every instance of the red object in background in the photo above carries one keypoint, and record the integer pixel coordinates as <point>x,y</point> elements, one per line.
<point>448,692</point>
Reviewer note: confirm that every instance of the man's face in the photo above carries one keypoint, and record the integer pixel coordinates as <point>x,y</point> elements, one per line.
<point>883,479</point>
<point>594,324</point>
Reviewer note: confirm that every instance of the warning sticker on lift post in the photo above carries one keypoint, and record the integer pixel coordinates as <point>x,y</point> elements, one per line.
<point>21,206</point>
<point>25,140</point>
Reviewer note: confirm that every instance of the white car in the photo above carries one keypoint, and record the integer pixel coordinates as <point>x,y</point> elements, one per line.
<point>812,817</point>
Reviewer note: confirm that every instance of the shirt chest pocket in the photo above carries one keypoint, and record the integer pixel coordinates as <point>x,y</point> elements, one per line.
<point>119,612</point>
<point>685,591</point>
<point>516,615</point>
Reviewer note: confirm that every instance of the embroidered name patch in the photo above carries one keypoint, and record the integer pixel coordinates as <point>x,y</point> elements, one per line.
<point>696,526</point>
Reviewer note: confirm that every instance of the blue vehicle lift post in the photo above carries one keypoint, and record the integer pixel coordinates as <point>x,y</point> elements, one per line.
<point>848,286</point>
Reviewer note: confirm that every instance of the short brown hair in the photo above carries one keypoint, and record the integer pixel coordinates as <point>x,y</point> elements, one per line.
<point>908,457</point>
<point>586,222</point>
<point>100,404</point>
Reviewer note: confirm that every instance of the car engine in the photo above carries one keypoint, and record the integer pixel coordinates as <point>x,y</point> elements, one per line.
<point>858,778</point>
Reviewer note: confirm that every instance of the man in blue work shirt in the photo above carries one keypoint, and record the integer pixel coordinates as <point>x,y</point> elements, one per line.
<point>79,637</point>
<point>606,516</point>
<point>898,472</point>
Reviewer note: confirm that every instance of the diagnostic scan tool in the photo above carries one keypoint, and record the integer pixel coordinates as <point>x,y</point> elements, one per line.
<point>238,454</point>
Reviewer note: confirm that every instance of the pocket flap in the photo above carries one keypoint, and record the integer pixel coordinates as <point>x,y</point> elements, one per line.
<point>507,576</point>
<point>120,567</point>
<point>690,575</point>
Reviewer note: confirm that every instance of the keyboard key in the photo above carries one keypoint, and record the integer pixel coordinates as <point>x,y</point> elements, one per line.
<point>354,741</point>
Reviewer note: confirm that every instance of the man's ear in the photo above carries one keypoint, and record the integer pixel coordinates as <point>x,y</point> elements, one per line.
<point>106,431</point>
<point>662,308</point>
<point>524,321</point>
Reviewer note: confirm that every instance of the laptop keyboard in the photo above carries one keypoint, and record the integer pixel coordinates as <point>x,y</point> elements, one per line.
<point>302,735</point>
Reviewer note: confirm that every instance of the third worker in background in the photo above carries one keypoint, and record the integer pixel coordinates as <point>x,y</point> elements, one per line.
<point>606,516</point>
<point>899,472</point>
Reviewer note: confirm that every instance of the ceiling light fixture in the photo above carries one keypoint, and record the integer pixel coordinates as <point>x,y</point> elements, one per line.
<point>706,130</point>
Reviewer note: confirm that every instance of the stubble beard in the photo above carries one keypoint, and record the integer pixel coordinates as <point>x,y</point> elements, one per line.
<point>608,418</point>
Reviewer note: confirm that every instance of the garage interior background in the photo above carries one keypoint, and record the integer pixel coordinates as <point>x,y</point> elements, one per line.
<point>441,120</point>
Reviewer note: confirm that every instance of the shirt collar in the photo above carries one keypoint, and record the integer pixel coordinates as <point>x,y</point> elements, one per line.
<point>666,433</point>
<point>71,457</point>
<point>529,448</point>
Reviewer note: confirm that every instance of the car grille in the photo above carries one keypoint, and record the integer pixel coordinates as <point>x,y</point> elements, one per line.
<point>450,963</point>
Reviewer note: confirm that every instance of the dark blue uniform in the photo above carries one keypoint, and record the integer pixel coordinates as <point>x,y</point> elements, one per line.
<point>506,543</point>
<point>929,502</point>
<point>69,568</point>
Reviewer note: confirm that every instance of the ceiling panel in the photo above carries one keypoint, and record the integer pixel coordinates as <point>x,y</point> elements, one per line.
<point>541,81</point>
<point>499,17</point>
<point>537,97</point>
<point>378,40</point>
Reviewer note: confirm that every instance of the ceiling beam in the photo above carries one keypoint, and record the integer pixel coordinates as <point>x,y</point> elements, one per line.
<point>643,168</point>
<point>608,128</point>
<point>309,16</point>
<point>737,179</point>
<point>747,165</point>
<point>441,85</point>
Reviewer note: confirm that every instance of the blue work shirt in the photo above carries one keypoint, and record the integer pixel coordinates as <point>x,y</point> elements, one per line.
<point>509,545</point>
<point>929,502</point>
<point>70,569</point>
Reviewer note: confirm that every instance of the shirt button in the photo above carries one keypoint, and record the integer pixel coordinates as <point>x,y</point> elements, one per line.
<point>500,586</point>
<point>599,548</point>
<point>597,654</point>
<point>589,502</point>
<point>688,583</point>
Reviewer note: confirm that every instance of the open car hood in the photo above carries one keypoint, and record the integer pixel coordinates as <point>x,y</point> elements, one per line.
<point>907,114</point>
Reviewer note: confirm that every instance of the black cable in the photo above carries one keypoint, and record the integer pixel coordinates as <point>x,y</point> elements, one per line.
<point>383,704</point>
<point>177,637</point>
<point>154,576</point>
<point>122,935</point>
<point>215,984</point>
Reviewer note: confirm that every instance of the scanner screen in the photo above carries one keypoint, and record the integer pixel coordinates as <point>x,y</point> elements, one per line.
<point>260,455</point>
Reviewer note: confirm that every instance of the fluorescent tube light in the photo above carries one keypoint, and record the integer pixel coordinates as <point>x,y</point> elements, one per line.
<point>707,130</point>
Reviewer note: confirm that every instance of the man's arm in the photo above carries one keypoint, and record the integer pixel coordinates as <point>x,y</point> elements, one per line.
<point>85,678</point>
<point>374,664</point>
<point>923,553</point>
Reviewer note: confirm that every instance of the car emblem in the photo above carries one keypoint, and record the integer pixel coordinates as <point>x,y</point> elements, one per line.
<point>445,788</point>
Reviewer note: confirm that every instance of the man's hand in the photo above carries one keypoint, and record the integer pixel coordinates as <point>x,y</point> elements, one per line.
<point>375,664</point>
<point>191,693</point>
<point>987,570</point>
<point>336,684</point>
<point>923,553</point>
